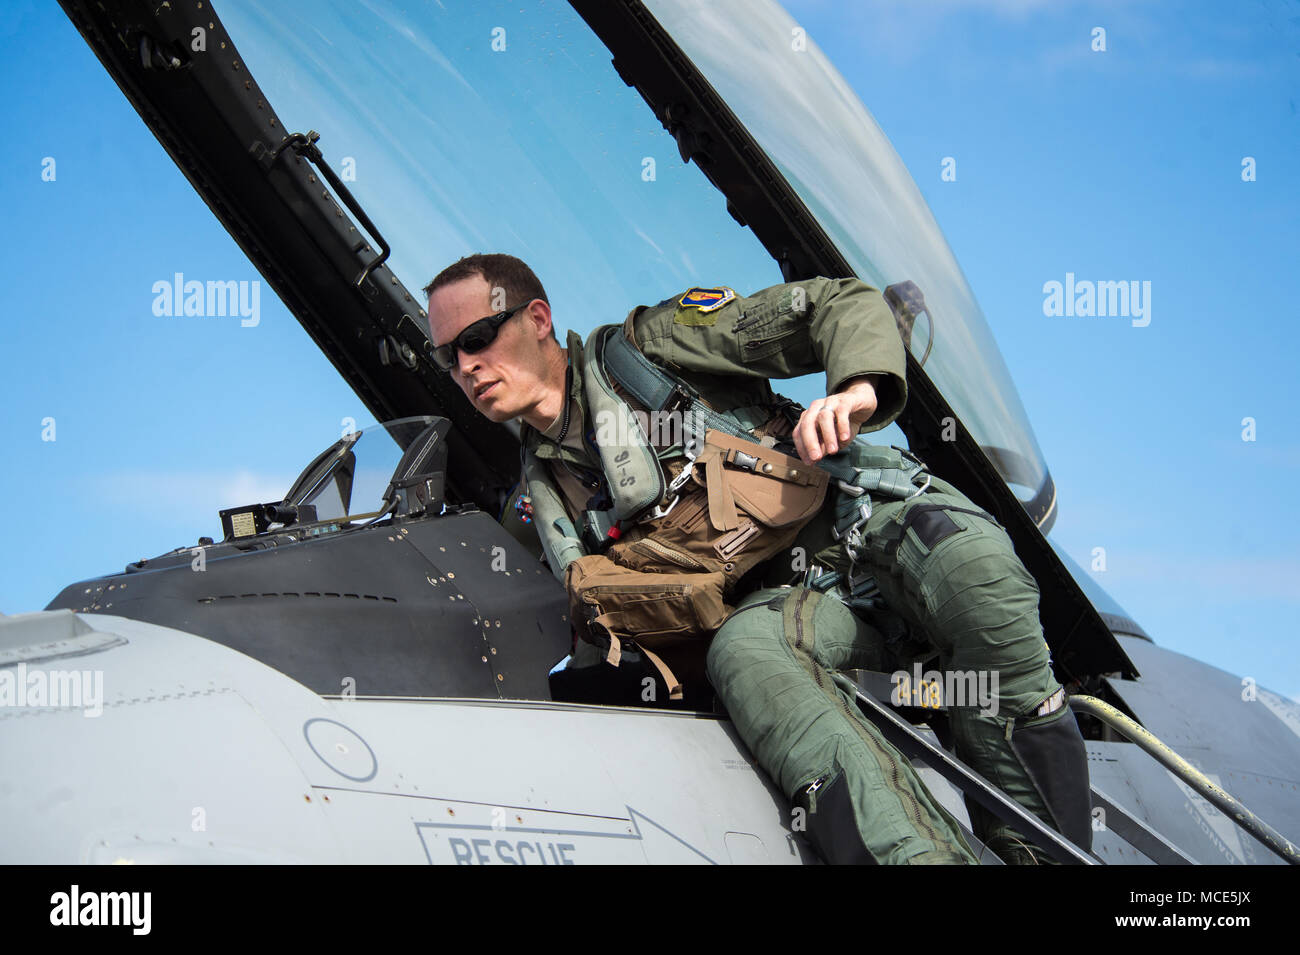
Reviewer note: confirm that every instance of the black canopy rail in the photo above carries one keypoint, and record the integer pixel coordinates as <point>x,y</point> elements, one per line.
<point>214,121</point>
<point>708,133</point>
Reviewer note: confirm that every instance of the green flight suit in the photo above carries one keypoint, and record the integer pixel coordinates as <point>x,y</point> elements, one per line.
<point>964,594</point>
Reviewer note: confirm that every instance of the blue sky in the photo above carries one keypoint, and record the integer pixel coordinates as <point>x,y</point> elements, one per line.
<point>1115,165</point>
<point>1126,165</point>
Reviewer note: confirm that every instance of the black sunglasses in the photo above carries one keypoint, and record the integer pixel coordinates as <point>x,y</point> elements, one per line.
<point>474,338</point>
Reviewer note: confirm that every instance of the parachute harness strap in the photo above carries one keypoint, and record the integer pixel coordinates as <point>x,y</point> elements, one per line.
<point>856,485</point>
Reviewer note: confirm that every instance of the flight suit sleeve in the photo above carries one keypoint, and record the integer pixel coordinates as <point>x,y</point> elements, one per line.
<point>841,326</point>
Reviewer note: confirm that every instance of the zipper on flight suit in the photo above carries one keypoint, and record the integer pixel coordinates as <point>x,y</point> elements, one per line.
<point>810,791</point>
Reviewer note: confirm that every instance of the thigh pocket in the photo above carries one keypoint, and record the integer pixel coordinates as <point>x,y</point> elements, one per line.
<point>929,528</point>
<point>932,526</point>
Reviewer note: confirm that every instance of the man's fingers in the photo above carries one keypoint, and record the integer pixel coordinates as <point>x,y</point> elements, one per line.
<point>827,439</point>
<point>799,448</point>
<point>806,441</point>
<point>843,423</point>
<point>812,447</point>
<point>824,428</point>
<point>828,425</point>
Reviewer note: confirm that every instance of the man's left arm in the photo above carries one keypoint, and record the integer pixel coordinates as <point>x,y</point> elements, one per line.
<point>843,326</point>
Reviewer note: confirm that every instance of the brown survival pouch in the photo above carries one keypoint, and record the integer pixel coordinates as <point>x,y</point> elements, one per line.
<point>663,588</point>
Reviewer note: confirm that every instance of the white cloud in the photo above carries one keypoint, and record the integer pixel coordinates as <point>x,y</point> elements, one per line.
<point>649,241</point>
<point>185,492</point>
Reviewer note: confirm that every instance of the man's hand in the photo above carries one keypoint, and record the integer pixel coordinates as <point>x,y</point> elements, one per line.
<point>833,421</point>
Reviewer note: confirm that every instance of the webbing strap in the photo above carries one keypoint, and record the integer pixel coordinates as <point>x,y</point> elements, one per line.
<point>886,482</point>
<point>674,685</point>
<point>657,389</point>
<point>615,656</point>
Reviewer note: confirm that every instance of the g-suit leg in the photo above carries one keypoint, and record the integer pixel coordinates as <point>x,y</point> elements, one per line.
<point>770,665</point>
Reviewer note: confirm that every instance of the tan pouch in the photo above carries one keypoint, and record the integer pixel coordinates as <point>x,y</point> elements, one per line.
<point>775,489</point>
<point>672,614</point>
<point>641,604</point>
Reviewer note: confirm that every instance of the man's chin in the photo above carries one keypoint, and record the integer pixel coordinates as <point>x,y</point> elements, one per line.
<point>494,413</point>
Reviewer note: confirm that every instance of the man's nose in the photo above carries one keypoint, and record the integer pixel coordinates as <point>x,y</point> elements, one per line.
<point>466,363</point>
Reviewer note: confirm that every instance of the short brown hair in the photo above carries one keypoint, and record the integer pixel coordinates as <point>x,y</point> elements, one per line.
<point>499,271</point>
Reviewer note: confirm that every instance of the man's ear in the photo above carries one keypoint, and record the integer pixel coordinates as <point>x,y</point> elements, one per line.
<point>539,313</point>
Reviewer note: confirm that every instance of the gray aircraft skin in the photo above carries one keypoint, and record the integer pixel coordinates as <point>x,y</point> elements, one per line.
<point>365,678</point>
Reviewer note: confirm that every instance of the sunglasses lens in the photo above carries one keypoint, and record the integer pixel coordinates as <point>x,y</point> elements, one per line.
<point>476,340</point>
<point>444,357</point>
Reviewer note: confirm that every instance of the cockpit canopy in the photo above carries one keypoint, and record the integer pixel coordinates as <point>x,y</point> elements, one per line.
<point>504,127</point>
<point>436,132</point>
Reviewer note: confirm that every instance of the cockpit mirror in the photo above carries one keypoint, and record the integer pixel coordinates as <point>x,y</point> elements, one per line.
<point>314,474</point>
<point>419,482</point>
<point>908,303</point>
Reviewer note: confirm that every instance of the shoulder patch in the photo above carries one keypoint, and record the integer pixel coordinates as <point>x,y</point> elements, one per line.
<point>696,306</point>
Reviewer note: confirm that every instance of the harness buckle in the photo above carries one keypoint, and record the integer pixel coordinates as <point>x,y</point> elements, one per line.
<point>660,511</point>
<point>864,515</point>
<point>852,490</point>
<point>852,534</point>
<point>682,477</point>
<point>679,397</point>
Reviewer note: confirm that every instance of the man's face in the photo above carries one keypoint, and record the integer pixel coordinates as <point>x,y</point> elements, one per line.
<point>504,380</point>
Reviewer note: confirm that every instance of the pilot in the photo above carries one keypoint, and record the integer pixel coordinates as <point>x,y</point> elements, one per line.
<point>667,483</point>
